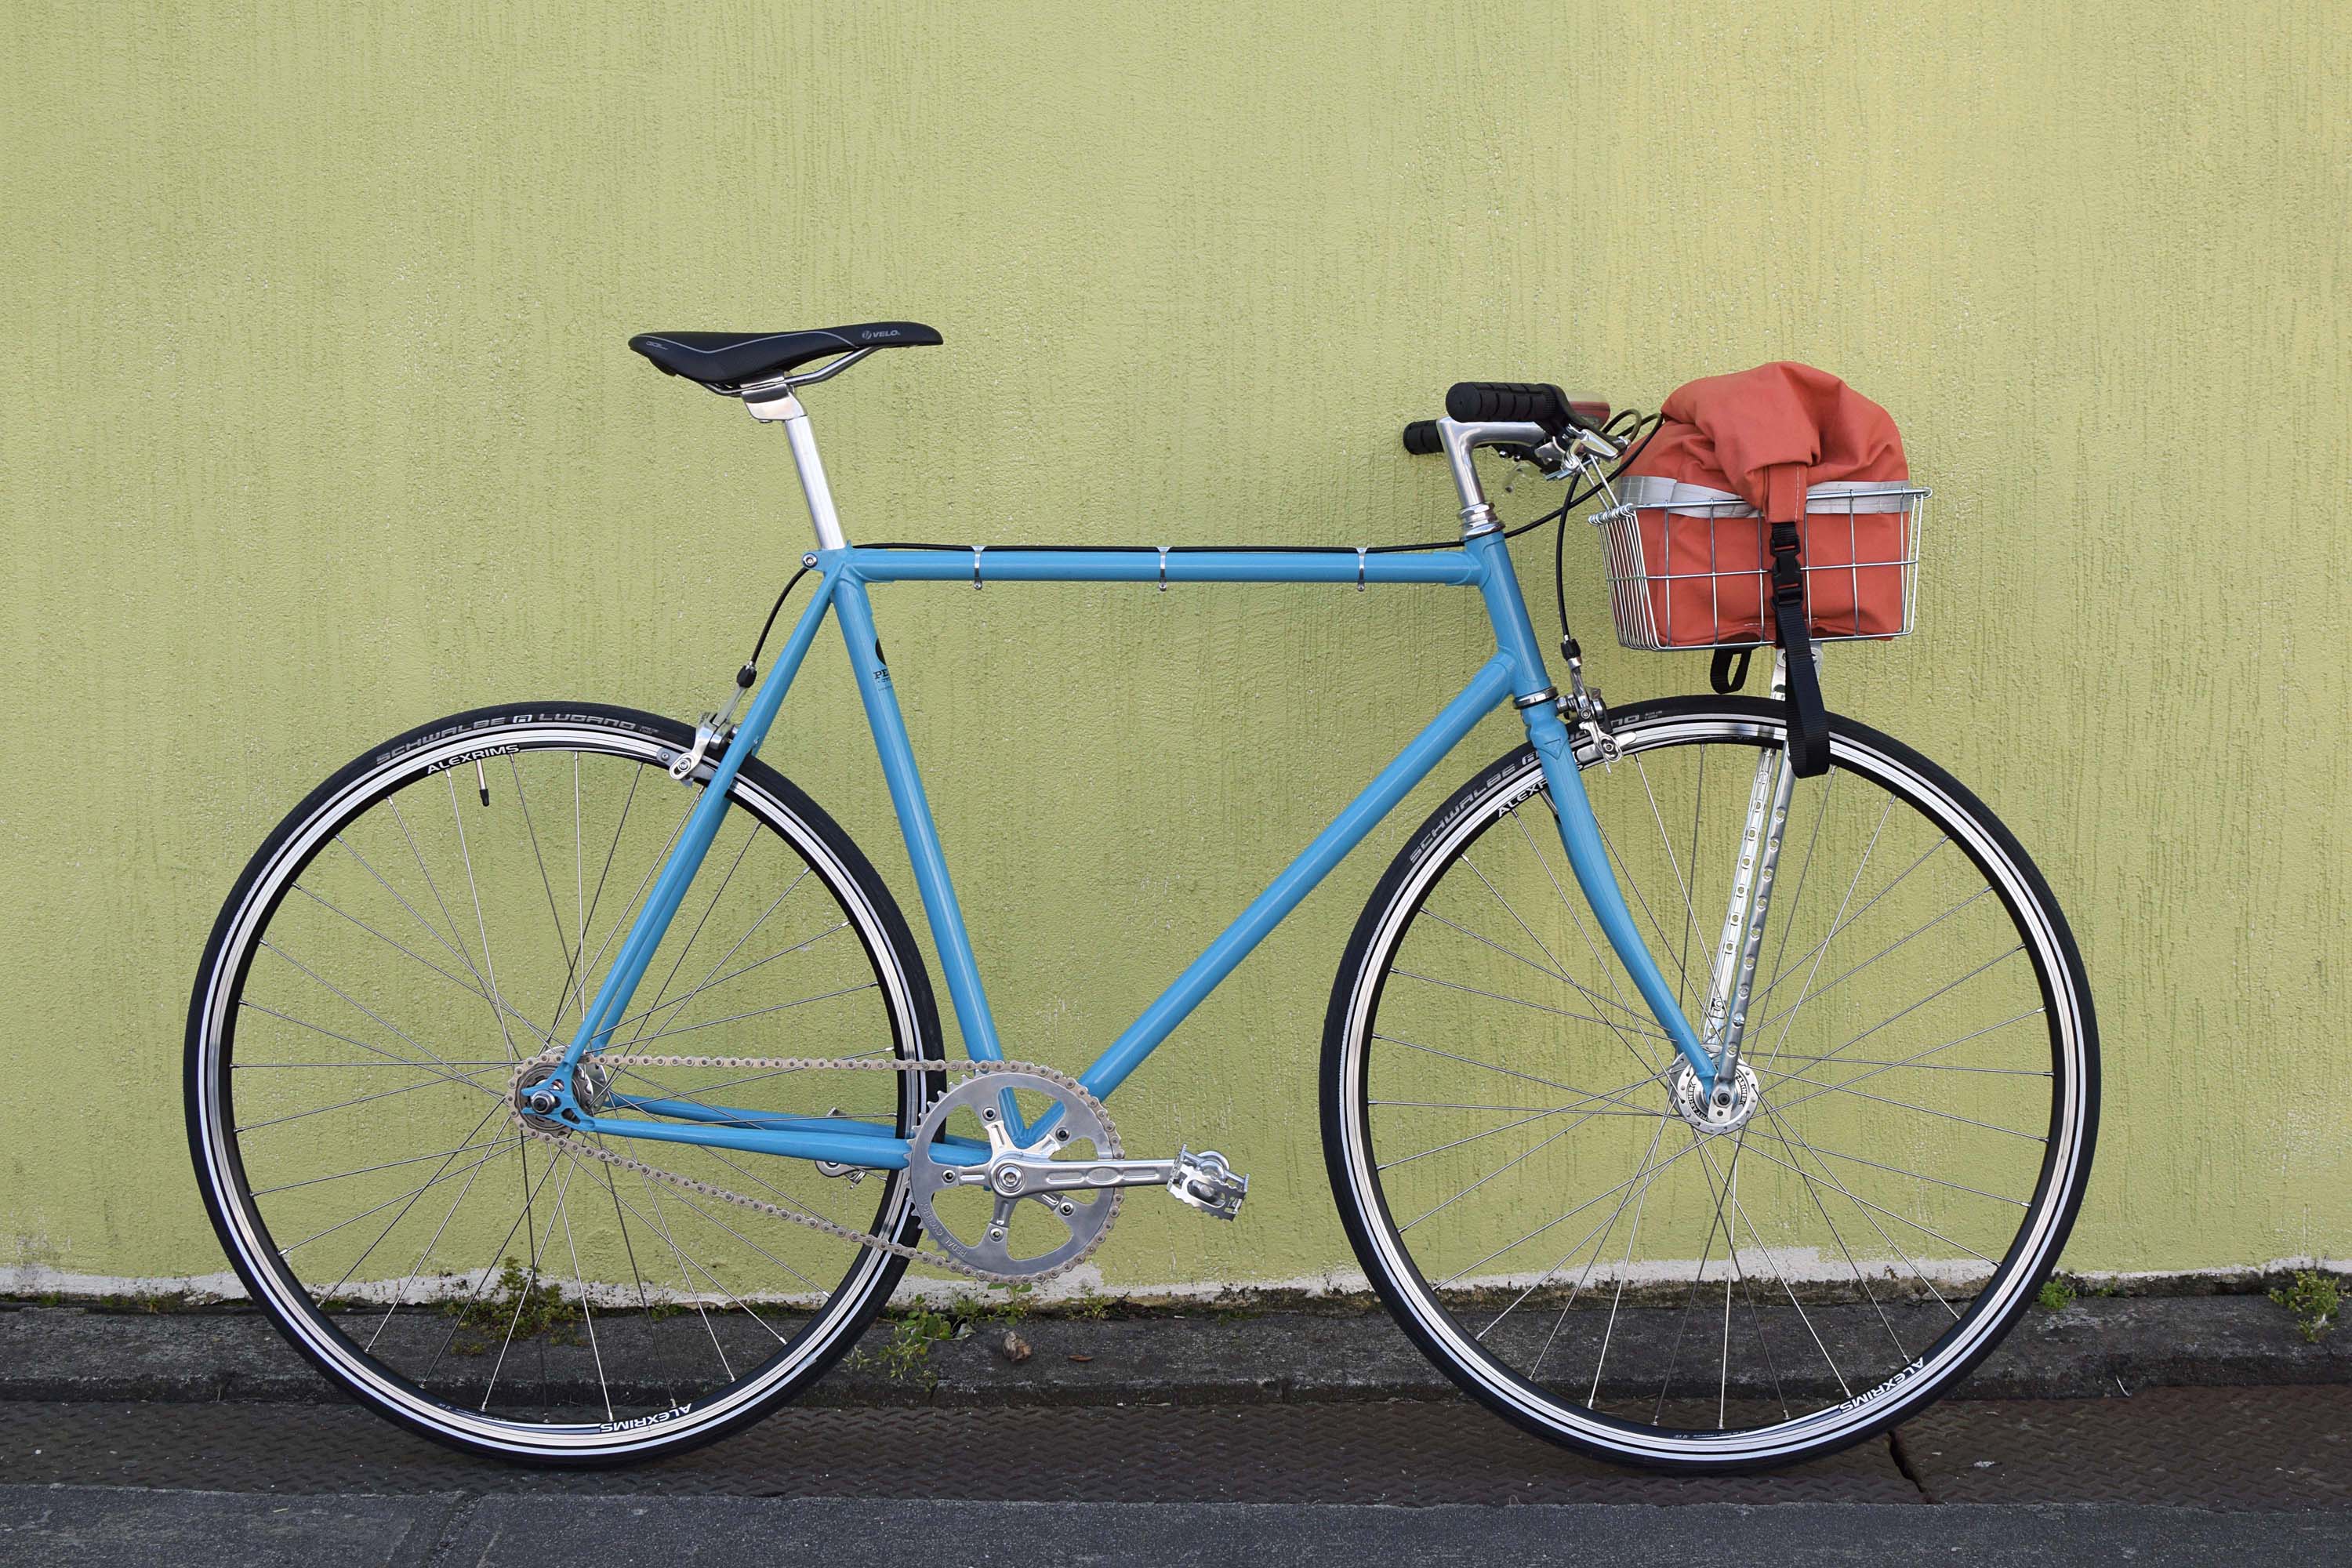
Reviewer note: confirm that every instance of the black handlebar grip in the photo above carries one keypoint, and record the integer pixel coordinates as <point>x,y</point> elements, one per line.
<point>1511,402</point>
<point>1421,437</point>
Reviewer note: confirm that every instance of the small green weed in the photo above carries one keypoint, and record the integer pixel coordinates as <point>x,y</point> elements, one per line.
<point>905,1356</point>
<point>2315,1299</point>
<point>1008,1308</point>
<point>2057,1293</point>
<point>520,1308</point>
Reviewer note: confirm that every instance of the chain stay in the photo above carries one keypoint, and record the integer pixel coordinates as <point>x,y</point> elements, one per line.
<point>969,1069</point>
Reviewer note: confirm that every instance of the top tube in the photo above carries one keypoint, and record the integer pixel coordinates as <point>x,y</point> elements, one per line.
<point>981,564</point>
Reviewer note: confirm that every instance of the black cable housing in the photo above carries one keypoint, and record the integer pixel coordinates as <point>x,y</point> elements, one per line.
<point>1630,429</point>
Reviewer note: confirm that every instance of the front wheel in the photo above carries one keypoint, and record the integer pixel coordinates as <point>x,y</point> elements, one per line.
<point>1570,1239</point>
<point>440,912</point>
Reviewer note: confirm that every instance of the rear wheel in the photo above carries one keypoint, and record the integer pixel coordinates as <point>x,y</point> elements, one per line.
<point>1559,1229</point>
<point>440,911</point>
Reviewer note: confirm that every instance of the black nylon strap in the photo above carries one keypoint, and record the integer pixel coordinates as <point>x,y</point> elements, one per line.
<point>1728,673</point>
<point>1809,721</point>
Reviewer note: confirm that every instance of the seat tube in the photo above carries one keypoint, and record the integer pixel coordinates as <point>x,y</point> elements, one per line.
<point>1579,831</point>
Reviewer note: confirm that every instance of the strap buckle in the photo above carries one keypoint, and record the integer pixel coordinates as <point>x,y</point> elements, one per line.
<point>1788,571</point>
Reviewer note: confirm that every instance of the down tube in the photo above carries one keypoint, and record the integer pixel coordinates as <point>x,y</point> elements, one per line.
<point>1482,696</point>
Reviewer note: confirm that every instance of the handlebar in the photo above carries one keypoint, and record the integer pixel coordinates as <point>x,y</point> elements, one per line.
<point>1507,401</point>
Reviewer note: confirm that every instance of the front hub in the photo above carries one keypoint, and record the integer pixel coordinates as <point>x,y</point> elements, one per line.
<point>1727,1110</point>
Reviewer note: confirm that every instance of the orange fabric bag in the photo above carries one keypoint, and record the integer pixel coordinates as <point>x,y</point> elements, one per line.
<point>1791,442</point>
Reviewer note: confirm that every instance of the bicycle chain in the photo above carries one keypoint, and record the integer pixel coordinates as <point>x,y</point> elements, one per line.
<point>969,1069</point>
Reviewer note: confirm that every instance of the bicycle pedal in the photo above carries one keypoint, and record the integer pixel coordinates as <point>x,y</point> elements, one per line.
<point>1206,1181</point>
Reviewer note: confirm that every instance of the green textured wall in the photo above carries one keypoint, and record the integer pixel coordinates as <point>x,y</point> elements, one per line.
<point>318,423</point>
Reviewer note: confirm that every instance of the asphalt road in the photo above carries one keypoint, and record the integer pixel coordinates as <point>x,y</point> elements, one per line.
<point>83,1527</point>
<point>2180,1474</point>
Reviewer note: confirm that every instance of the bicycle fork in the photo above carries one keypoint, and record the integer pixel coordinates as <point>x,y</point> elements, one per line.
<point>1712,1052</point>
<point>1732,982</point>
<point>1715,1084</point>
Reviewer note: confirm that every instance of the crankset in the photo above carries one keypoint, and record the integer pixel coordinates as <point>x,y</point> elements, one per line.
<point>1056,1159</point>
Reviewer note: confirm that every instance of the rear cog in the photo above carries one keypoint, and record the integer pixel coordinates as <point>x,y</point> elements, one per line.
<point>976,1225</point>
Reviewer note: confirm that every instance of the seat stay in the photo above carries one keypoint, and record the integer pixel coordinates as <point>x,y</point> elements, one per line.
<point>611,1002</point>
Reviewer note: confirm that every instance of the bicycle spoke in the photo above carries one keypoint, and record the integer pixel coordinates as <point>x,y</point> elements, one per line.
<point>1499,1169</point>
<point>562,944</point>
<point>1560,1219</point>
<point>385,1165</point>
<point>462,986</point>
<point>392,1058</point>
<point>750,837</point>
<point>1557,969</point>
<point>587,1312</point>
<point>1490,1066</point>
<point>1657,1135</point>
<point>756,1013</point>
<point>1602,1226</point>
<point>1804,1076</point>
<point>1783,1134</point>
<point>531,1280</point>
<point>1616,998</point>
<point>575,976</point>
<point>712,985</point>
<point>1514,1001</point>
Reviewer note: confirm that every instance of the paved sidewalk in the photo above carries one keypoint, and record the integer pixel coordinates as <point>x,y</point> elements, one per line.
<point>1296,1439</point>
<point>2095,1348</point>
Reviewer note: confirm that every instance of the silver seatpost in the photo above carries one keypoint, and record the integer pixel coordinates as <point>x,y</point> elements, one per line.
<point>785,408</point>
<point>774,401</point>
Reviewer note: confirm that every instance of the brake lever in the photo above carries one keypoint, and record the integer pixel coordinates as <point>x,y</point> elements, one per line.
<point>1561,457</point>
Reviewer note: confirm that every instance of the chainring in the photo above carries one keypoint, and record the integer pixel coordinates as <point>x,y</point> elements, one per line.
<point>988,1244</point>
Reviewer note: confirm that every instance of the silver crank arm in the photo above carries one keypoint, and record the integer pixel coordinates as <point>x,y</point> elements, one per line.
<point>1206,1181</point>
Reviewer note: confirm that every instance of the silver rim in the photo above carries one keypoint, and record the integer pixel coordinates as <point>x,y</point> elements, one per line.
<point>1763,1293</point>
<point>436,953</point>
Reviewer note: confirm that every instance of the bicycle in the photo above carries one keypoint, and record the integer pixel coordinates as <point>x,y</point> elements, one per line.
<point>443,1141</point>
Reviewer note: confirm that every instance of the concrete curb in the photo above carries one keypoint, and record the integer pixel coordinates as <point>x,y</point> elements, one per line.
<point>2094,1348</point>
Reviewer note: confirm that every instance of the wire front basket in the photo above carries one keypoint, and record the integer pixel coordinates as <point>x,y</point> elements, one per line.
<point>1689,567</point>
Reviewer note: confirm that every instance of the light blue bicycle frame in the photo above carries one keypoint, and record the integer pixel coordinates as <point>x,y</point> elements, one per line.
<point>1516,673</point>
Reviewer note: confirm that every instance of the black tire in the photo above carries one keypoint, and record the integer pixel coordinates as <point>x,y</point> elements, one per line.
<point>1390,1263</point>
<point>776,805</point>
